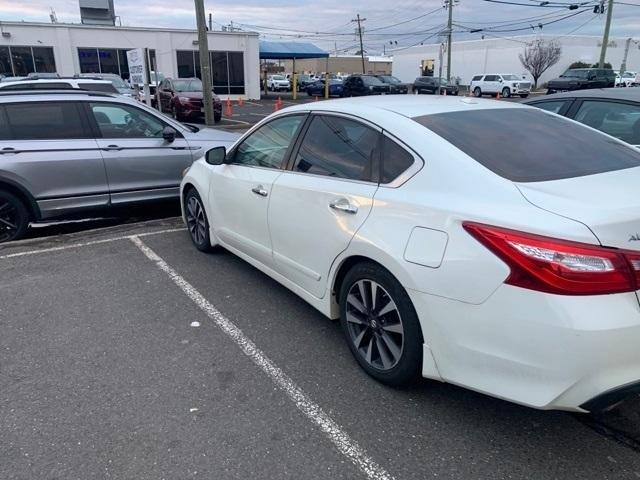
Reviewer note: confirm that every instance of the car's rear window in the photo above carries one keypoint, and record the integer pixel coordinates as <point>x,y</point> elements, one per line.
<point>527,145</point>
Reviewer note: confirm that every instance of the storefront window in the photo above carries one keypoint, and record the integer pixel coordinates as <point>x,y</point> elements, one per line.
<point>219,72</point>
<point>236,73</point>
<point>227,70</point>
<point>108,61</point>
<point>186,64</point>
<point>88,60</point>
<point>5,62</point>
<point>44,59</point>
<point>22,61</point>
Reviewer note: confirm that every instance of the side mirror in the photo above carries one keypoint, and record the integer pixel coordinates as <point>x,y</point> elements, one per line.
<point>216,156</point>
<point>500,80</point>
<point>169,134</point>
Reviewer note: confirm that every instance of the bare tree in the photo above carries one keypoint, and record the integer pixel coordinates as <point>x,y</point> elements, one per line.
<point>538,56</point>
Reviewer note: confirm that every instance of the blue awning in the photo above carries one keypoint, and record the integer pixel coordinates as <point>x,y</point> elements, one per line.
<point>289,50</point>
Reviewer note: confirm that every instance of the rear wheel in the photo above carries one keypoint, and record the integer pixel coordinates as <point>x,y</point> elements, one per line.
<point>197,221</point>
<point>380,324</point>
<point>14,217</point>
<point>477,92</point>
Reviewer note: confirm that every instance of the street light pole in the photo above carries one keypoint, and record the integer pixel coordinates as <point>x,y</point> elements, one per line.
<point>605,38</point>
<point>449,32</point>
<point>360,20</point>
<point>205,63</point>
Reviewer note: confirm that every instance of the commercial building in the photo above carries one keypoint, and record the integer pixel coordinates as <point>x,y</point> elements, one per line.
<point>341,64</point>
<point>75,48</point>
<point>472,57</point>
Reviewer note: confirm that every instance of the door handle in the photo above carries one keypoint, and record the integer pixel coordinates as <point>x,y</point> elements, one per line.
<point>259,190</point>
<point>112,147</point>
<point>343,205</point>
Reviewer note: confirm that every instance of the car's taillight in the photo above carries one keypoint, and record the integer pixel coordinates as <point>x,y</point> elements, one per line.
<point>560,266</point>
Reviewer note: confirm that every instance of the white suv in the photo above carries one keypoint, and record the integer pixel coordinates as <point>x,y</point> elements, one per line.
<point>506,84</point>
<point>278,82</point>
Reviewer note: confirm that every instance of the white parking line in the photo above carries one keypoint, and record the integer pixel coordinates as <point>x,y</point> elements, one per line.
<point>344,443</point>
<point>86,244</point>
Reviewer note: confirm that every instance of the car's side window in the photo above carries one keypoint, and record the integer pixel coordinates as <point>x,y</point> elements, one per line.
<point>338,147</point>
<point>477,78</point>
<point>46,121</point>
<point>395,161</point>
<point>621,120</point>
<point>124,121</point>
<point>552,106</point>
<point>268,145</point>
<point>490,78</point>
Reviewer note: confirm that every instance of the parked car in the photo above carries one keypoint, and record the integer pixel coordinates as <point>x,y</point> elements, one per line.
<point>155,79</point>
<point>70,152</point>
<point>442,255</point>
<point>182,97</point>
<point>42,75</point>
<point>60,83</point>
<point>432,84</point>
<point>582,79</point>
<point>505,84</point>
<point>627,79</point>
<point>276,83</point>
<point>396,86</point>
<point>358,85</point>
<point>317,88</point>
<point>612,111</point>
<point>119,84</point>
<point>303,81</point>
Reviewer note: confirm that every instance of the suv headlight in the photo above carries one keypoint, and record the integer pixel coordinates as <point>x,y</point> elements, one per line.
<point>370,87</point>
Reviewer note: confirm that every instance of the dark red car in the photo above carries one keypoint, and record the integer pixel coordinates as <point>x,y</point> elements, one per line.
<point>182,97</point>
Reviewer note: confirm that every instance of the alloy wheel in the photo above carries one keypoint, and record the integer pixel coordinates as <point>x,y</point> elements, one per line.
<point>196,221</point>
<point>374,324</point>
<point>9,220</point>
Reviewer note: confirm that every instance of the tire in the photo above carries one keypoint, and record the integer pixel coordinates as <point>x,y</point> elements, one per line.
<point>217,117</point>
<point>197,222</point>
<point>524,95</point>
<point>14,217</point>
<point>387,347</point>
<point>506,93</point>
<point>477,92</point>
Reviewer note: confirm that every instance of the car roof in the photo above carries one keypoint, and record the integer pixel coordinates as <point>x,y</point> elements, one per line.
<point>405,105</point>
<point>631,94</point>
<point>14,96</point>
<point>56,80</point>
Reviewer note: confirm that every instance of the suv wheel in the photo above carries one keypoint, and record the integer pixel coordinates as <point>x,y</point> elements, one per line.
<point>380,324</point>
<point>197,221</point>
<point>477,92</point>
<point>14,217</point>
<point>506,93</point>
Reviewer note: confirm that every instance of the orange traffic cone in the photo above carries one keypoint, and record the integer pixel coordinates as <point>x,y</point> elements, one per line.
<point>316,98</point>
<point>498,96</point>
<point>240,101</point>
<point>228,111</point>
<point>445,92</point>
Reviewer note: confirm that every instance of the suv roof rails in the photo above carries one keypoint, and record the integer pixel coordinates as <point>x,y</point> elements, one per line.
<point>59,91</point>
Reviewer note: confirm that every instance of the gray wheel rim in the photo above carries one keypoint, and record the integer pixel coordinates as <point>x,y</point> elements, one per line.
<point>196,221</point>
<point>8,220</point>
<point>374,324</point>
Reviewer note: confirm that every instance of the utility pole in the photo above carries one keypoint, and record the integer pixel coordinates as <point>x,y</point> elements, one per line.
<point>210,22</point>
<point>605,38</point>
<point>623,67</point>
<point>360,20</point>
<point>449,32</point>
<point>205,63</point>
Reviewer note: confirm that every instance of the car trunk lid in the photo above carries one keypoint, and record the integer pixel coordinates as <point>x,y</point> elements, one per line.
<point>608,203</point>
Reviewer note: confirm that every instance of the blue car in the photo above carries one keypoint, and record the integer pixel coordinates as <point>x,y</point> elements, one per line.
<point>317,88</point>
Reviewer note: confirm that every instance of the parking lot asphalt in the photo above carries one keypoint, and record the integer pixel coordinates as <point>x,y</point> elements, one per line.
<point>125,353</point>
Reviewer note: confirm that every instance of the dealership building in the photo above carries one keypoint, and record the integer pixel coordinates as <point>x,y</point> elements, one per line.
<point>81,48</point>
<point>500,55</point>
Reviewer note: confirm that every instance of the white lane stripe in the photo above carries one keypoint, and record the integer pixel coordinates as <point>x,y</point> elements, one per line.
<point>86,244</point>
<point>344,443</point>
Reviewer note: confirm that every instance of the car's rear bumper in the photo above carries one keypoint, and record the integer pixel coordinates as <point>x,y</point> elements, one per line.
<point>541,350</point>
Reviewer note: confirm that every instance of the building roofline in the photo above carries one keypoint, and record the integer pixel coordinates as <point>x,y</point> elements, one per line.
<point>7,24</point>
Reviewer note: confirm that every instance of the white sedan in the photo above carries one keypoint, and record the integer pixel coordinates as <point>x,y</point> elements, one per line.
<point>487,244</point>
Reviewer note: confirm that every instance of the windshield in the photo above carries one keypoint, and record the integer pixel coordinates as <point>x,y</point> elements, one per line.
<point>118,82</point>
<point>371,80</point>
<point>193,85</point>
<point>390,79</point>
<point>576,73</point>
<point>278,77</point>
<point>157,77</point>
<point>548,148</point>
<point>443,81</point>
<point>510,77</point>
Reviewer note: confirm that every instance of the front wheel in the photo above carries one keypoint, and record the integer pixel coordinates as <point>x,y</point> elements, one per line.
<point>380,325</point>
<point>506,93</point>
<point>477,92</point>
<point>197,221</point>
<point>14,217</point>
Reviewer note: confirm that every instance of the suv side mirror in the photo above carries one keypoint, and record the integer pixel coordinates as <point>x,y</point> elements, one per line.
<point>216,156</point>
<point>169,134</point>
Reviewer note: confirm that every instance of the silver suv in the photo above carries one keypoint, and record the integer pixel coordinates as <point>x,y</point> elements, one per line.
<point>64,152</point>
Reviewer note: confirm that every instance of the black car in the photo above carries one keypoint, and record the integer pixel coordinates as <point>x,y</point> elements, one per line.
<point>358,85</point>
<point>395,84</point>
<point>431,85</point>
<point>582,79</point>
<point>615,111</point>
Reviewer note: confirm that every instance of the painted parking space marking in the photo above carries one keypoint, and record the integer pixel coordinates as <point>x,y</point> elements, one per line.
<point>342,441</point>
<point>87,244</point>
